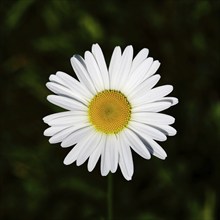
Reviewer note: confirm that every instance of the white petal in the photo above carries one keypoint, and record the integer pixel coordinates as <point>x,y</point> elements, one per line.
<point>56,79</point>
<point>76,136</point>
<point>124,170</point>
<point>70,83</point>
<point>113,146</point>
<point>66,103</point>
<point>148,130</point>
<point>72,155</point>
<point>60,136</point>
<point>53,130</point>
<point>62,114</point>
<point>153,146</point>
<point>75,152</point>
<point>144,87</point>
<point>166,129</point>
<point>63,91</point>
<point>125,159</point>
<point>74,85</point>
<point>136,144</point>
<point>114,66</point>
<point>152,107</point>
<point>140,57</point>
<point>125,67</point>
<point>105,158</point>
<point>79,67</point>
<point>93,159</point>
<point>156,149</point>
<point>97,52</point>
<point>89,148</point>
<point>153,69</point>
<point>69,120</point>
<point>153,118</point>
<point>172,100</point>
<point>153,95</point>
<point>94,71</point>
<point>137,76</point>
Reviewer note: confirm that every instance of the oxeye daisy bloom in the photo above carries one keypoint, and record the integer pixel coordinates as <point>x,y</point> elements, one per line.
<point>110,110</point>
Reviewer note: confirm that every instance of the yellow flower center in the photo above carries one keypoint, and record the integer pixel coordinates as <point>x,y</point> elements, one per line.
<point>109,111</point>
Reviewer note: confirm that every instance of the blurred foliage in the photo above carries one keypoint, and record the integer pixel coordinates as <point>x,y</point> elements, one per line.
<point>38,38</point>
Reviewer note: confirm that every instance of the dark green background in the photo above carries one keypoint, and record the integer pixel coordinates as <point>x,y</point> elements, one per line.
<point>38,38</point>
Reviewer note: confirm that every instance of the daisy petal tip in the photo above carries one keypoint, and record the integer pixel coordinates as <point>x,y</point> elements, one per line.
<point>164,138</point>
<point>157,62</point>
<point>44,119</point>
<point>49,97</point>
<point>146,50</point>
<point>51,77</point>
<point>63,145</point>
<point>173,132</point>
<point>45,133</point>
<point>51,141</point>
<point>171,88</point>
<point>176,101</point>
<point>66,162</point>
<point>59,73</point>
<point>74,58</point>
<point>164,158</point>
<point>48,85</point>
<point>114,170</point>
<point>104,174</point>
<point>128,178</point>
<point>95,45</point>
<point>79,162</point>
<point>150,59</point>
<point>148,157</point>
<point>158,76</point>
<point>87,54</point>
<point>89,169</point>
<point>71,58</point>
<point>117,49</point>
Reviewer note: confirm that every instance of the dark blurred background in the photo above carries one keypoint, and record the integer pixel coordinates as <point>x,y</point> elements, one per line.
<point>38,38</point>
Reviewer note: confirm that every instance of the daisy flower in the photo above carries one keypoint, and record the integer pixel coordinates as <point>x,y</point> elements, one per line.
<point>110,111</point>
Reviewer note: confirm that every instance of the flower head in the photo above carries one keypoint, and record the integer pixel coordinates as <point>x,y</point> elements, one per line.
<point>110,110</point>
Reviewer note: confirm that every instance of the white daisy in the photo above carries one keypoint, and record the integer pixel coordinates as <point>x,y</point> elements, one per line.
<point>110,110</point>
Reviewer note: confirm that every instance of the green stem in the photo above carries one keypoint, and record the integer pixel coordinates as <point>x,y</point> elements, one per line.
<point>109,196</point>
